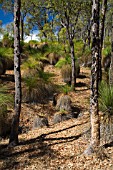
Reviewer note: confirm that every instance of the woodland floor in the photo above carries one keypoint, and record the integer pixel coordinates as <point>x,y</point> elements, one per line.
<point>60,146</point>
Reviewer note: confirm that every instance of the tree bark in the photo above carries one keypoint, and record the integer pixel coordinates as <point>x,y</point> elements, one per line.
<point>15,122</point>
<point>102,25</point>
<point>111,64</point>
<point>73,76</point>
<point>95,126</point>
<point>22,28</point>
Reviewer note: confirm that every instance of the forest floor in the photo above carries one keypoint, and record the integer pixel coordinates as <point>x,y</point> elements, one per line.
<point>60,146</point>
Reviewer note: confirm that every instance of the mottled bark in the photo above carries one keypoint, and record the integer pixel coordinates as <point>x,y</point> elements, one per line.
<point>111,64</point>
<point>95,126</point>
<point>73,76</point>
<point>102,25</point>
<point>15,122</point>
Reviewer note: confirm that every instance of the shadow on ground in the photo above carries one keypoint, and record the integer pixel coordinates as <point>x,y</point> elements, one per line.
<point>39,147</point>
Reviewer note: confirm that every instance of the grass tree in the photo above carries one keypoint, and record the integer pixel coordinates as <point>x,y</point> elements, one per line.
<point>15,122</point>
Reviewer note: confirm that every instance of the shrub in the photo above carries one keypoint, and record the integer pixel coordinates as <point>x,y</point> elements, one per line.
<point>106,105</point>
<point>6,100</point>
<point>106,98</point>
<point>37,90</point>
<point>63,61</point>
<point>40,121</point>
<point>66,72</point>
<point>7,41</point>
<point>106,51</point>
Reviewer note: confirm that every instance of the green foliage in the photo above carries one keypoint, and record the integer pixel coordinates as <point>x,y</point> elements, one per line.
<point>66,89</point>
<point>66,73</point>
<point>6,52</point>
<point>106,51</point>
<point>106,98</point>
<point>54,47</point>
<point>37,89</point>
<point>6,101</point>
<point>45,76</point>
<point>5,97</point>
<point>63,61</point>
<point>7,41</point>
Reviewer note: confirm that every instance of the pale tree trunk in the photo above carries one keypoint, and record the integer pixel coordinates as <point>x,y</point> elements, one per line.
<point>15,122</point>
<point>102,25</point>
<point>111,64</point>
<point>95,126</point>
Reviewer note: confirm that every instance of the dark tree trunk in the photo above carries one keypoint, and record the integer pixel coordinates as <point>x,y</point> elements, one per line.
<point>89,35</point>
<point>15,122</point>
<point>22,28</point>
<point>95,126</point>
<point>111,64</point>
<point>102,25</point>
<point>73,78</point>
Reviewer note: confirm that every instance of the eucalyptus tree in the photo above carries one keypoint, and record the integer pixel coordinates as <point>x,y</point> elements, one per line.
<point>15,122</point>
<point>7,5</point>
<point>95,126</point>
<point>68,16</point>
<point>69,12</point>
<point>38,15</point>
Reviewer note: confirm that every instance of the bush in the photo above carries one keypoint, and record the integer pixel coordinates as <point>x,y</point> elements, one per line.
<point>106,106</point>
<point>6,100</point>
<point>66,72</point>
<point>63,61</point>
<point>37,90</point>
<point>106,98</point>
<point>7,41</point>
<point>106,51</point>
<point>40,121</point>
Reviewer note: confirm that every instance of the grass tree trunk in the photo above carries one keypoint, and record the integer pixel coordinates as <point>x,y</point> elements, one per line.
<point>15,122</point>
<point>95,126</point>
<point>111,64</point>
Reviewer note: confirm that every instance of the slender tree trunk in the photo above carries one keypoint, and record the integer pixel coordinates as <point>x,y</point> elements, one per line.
<point>22,28</point>
<point>95,126</point>
<point>73,78</point>
<point>15,122</point>
<point>111,64</point>
<point>89,35</point>
<point>102,25</point>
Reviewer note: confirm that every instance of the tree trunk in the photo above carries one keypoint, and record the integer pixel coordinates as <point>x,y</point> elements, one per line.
<point>22,28</point>
<point>102,24</point>
<point>111,64</point>
<point>73,78</point>
<point>15,122</point>
<point>95,126</point>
